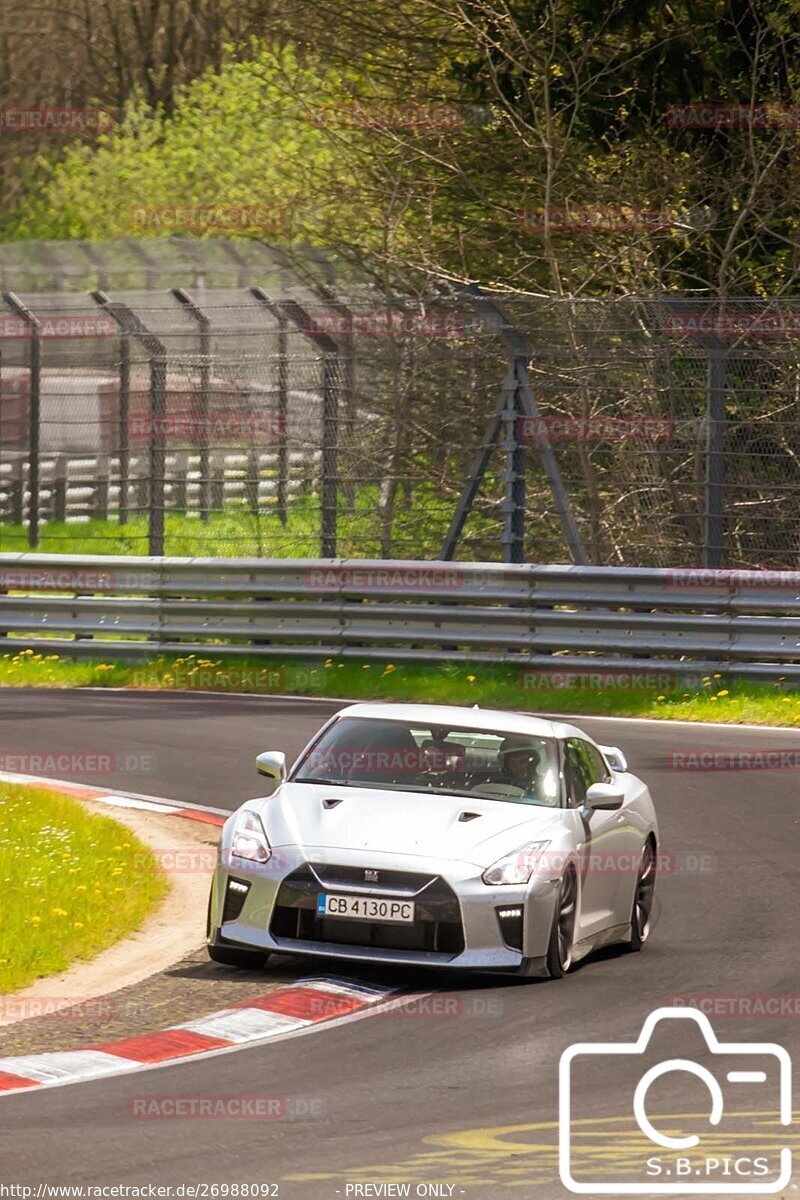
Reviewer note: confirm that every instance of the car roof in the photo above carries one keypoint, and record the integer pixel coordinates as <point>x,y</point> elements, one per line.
<point>466,718</point>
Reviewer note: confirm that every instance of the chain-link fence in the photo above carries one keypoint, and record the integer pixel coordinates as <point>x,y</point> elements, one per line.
<point>293,411</point>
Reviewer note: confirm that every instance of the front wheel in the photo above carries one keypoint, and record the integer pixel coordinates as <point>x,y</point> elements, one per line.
<point>232,956</point>
<point>559,951</point>
<point>641,914</point>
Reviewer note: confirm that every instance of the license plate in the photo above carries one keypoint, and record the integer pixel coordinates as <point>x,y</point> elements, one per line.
<point>365,908</point>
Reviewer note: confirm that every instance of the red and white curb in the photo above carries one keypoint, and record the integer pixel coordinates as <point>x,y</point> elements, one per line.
<point>289,1009</point>
<point>80,791</point>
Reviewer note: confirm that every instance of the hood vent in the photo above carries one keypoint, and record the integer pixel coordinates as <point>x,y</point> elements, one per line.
<point>468,816</point>
<point>332,801</point>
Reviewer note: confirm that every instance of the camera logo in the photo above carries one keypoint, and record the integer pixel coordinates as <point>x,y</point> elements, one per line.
<point>659,1155</point>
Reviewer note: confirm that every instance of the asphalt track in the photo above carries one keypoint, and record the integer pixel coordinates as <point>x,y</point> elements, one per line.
<point>468,1099</point>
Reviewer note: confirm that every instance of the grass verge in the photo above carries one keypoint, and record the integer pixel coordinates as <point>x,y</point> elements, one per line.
<point>715,698</point>
<point>73,883</point>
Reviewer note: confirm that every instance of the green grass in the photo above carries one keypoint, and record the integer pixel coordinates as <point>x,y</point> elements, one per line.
<point>715,699</point>
<point>418,531</point>
<point>72,884</point>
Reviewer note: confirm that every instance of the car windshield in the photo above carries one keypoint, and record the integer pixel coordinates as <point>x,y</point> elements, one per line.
<point>421,757</point>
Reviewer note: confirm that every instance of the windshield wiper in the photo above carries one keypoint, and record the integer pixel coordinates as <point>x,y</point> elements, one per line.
<point>324,782</point>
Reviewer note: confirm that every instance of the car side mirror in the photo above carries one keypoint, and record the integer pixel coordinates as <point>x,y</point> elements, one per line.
<point>615,758</point>
<point>272,763</point>
<point>605,796</point>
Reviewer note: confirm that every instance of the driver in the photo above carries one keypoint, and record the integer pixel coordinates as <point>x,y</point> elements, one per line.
<point>519,781</point>
<point>519,761</point>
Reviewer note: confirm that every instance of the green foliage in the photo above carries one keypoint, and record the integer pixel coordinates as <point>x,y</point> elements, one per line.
<point>73,883</point>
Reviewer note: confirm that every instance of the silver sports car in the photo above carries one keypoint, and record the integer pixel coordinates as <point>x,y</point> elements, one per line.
<point>439,836</point>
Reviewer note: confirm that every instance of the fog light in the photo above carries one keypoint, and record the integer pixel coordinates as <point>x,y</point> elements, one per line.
<point>235,896</point>
<point>510,922</point>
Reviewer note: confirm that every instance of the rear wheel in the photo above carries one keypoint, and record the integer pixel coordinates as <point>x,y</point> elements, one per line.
<point>641,914</point>
<point>562,935</point>
<point>232,956</point>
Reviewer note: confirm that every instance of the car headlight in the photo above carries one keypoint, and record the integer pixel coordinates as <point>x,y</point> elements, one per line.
<point>249,839</point>
<point>516,867</point>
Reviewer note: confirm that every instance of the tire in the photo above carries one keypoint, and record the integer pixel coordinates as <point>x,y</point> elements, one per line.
<point>559,950</point>
<point>642,910</point>
<point>232,956</point>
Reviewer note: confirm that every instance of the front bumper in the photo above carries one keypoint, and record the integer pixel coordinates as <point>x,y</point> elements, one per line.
<point>273,908</point>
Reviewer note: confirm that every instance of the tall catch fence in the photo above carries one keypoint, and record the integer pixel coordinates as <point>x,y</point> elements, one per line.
<point>232,399</point>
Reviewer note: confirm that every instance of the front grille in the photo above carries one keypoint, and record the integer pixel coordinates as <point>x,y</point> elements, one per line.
<point>437,927</point>
<point>406,882</point>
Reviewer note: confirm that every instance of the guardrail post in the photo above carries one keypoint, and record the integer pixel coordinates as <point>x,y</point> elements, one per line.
<point>34,413</point>
<point>129,323</point>
<point>204,325</point>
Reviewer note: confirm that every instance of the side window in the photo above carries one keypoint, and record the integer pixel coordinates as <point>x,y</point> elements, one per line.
<point>584,766</point>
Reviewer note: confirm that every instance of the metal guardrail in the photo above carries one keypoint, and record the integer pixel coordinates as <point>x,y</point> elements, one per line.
<point>547,617</point>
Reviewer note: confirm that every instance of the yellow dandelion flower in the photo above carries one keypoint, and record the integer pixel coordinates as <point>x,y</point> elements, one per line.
<point>470,678</point>
<point>723,693</point>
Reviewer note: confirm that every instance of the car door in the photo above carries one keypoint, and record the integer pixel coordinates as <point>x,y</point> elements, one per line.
<point>604,841</point>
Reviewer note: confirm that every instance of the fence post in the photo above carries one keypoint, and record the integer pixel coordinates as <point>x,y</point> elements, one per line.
<point>513,536</point>
<point>129,323</point>
<point>329,489</point>
<point>123,435</point>
<point>158,408</point>
<point>101,488</point>
<point>330,452</point>
<point>204,325</point>
<point>60,487</point>
<point>283,416</point>
<point>34,412</point>
<point>518,348</point>
<point>715,457</point>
